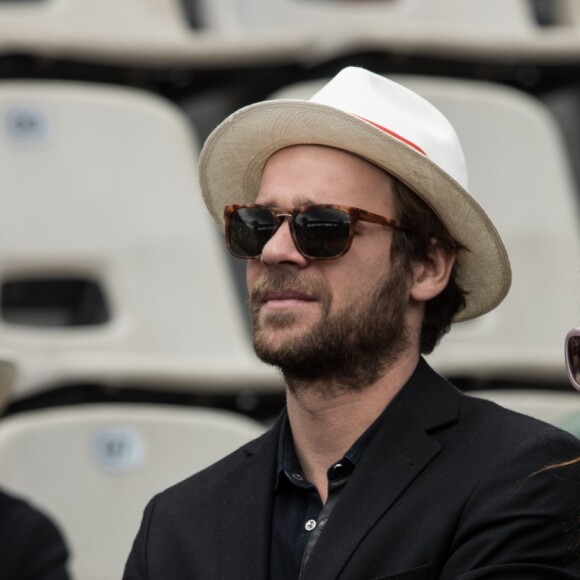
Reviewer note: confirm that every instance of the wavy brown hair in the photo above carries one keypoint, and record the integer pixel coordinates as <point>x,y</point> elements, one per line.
<point>424,224</point>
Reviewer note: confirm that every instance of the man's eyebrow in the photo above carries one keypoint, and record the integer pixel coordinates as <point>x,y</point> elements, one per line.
<point>266,204</point>
<point>303,202</point>
<point>299,203</point>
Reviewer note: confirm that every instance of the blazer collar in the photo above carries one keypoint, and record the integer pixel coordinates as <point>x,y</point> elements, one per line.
<point>428,397</point>
<point>399,452</point>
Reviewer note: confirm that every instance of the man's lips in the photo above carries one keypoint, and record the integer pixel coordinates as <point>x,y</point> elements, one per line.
<point>280,297</point>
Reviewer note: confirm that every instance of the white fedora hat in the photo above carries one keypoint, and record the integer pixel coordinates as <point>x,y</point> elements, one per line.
<point>385,123</point>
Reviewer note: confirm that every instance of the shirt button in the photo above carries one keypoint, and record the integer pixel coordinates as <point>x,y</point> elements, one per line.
<point>338,469</point>
<point>297,477</point>
<point>310,525</point>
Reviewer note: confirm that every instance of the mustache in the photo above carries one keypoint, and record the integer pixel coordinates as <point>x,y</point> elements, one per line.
<point>284,281</point>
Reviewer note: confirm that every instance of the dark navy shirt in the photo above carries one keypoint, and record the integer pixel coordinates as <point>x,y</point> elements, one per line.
<point>298,514</point>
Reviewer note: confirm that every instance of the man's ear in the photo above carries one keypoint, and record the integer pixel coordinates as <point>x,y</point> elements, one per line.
<point>430,277</point>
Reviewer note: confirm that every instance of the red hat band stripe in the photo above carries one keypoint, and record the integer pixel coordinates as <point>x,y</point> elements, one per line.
<point>395,135</point>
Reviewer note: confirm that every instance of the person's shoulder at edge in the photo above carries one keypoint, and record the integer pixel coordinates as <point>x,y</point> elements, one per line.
<point>32,545</point>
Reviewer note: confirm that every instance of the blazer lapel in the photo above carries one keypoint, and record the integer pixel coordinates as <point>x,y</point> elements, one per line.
<point>247,511</point>
<point>399,452</point>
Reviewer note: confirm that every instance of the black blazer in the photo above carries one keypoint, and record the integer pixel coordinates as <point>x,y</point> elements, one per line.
<point>446,489</point>
<point>31,547</point>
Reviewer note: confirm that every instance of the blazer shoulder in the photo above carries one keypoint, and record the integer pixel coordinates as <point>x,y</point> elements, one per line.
<point>210,477</point>
<point>513,430</point>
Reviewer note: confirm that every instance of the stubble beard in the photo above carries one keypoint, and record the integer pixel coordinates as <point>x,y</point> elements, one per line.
<point>345,350</point>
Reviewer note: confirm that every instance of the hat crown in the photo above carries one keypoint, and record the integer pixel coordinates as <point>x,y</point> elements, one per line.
<point>398,111</point>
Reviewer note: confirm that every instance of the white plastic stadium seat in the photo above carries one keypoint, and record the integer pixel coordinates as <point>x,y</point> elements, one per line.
<point>106,28</point>
<point>349,19</point>
<point>111,270</point>
<point>93,468</point>
<point>518,171</point>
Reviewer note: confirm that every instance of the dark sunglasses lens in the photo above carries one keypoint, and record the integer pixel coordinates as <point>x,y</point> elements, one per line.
<point>250,228</point>
<point>322,233</point>
<point>573,360</point>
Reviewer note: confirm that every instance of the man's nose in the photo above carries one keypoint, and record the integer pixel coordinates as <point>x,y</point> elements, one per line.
<point>281,249</point>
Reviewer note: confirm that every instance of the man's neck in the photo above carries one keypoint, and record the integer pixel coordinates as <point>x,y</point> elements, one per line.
<point>325,427</point>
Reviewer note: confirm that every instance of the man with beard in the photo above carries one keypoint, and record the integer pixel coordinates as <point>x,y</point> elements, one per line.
<point>363,246</point>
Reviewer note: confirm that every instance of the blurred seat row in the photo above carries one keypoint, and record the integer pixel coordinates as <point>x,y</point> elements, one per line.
<point>230,33</point>
<point>114,278</point>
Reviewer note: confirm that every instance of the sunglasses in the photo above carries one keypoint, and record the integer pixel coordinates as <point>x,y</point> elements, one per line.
<point>320,232</point>
<point>573,357</point>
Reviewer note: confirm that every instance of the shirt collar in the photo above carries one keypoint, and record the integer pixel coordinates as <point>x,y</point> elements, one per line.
<point>288,464</point>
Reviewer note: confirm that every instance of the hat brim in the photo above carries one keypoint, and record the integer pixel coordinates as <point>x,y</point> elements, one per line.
<point>234,155</point>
